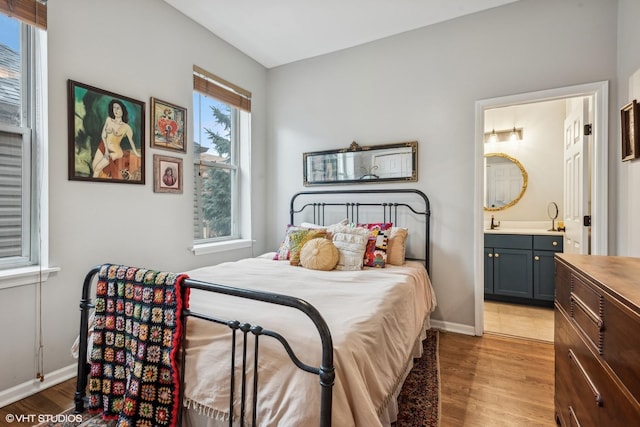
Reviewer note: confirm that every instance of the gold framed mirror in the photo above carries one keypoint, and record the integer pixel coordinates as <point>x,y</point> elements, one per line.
<point>366,164</point>
<point>505,181</point>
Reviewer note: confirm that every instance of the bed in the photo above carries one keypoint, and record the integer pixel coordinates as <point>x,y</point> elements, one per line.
<point>331,347</point>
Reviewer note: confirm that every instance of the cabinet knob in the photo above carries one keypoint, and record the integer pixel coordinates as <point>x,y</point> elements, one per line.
<point>497,255</point>
<point>490,255</point>
<point>537,258</point>
<point>554,243</point>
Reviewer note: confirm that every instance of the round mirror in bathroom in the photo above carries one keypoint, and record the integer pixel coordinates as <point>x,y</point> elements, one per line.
<point>505,181</point>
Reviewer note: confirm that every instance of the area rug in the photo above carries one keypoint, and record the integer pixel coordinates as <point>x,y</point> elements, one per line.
<point>418,403</point>
<point>419,400</point>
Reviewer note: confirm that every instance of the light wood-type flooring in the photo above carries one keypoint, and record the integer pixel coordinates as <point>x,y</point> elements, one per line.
<point>518,320</point>
<point>485,381</point>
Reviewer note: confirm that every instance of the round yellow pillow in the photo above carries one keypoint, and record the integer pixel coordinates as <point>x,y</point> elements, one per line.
<point>319,254</point>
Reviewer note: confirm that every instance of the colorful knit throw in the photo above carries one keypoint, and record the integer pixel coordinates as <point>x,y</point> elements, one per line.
<point>134,371</point>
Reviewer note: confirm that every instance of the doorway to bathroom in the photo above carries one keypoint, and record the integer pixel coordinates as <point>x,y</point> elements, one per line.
<point>532,128</point>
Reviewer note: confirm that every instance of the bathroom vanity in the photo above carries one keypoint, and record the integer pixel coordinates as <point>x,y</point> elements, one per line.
<point>519,265</point>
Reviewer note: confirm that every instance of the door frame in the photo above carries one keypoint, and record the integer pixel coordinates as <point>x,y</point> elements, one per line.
<point>599,92</point>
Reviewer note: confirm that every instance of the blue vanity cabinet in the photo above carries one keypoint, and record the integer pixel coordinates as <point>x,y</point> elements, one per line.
<point>520,267</point>
<point>511,265</point>
<point>544,249</point>
<point>488,270</point>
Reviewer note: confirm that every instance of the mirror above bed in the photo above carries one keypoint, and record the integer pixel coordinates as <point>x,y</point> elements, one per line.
<point>360,164</point>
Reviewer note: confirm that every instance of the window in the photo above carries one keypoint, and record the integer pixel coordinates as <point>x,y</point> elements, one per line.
<point>22,64</point>
<point>221,123</point>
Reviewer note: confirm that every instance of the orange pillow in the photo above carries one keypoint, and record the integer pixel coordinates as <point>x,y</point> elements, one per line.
<point>396,247</point>
<point>298,239</point>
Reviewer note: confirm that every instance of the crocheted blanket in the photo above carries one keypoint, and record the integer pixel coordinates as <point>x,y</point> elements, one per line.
<point>134,370</point>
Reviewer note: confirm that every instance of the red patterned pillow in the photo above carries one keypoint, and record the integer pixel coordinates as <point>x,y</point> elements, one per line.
<point>375,255</point>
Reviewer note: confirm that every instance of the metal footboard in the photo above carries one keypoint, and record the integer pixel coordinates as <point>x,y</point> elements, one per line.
<point>240,330</point>
<point>325,371</point>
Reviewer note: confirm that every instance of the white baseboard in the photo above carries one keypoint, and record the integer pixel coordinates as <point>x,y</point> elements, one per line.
<point>32,387</point>
<point>453,327</point>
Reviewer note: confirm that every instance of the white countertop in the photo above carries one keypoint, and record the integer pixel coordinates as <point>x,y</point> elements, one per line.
<point>536,231</point>
<point>539,228</point>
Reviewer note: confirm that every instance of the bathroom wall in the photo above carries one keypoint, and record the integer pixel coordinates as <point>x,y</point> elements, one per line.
<point>540,153</point>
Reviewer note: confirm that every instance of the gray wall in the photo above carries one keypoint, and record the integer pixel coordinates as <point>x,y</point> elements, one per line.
<point>138,49</point>
<point>422,85</point>
<point>627,180</point>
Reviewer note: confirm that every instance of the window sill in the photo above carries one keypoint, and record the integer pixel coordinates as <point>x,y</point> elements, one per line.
<point>227,245</point>
<point>25,276</point>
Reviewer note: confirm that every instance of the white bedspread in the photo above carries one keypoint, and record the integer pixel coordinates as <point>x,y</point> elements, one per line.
<point>375,317</point>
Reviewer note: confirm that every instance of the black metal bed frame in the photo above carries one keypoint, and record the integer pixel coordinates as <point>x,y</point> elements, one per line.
<point>390,209</point>
<point>326,370</point>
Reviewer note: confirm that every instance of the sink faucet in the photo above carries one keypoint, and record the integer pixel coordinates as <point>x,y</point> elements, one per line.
<point>494,224</point>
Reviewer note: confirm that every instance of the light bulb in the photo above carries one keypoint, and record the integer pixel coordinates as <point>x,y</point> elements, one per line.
<point>494,136</point>
<point>513,136</point>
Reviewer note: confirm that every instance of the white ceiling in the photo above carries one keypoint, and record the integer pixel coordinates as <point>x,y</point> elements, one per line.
<point>277,32</point>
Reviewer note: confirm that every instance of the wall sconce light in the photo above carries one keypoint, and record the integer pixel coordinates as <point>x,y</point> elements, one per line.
<point>491,137</point>
<point>514,134</point>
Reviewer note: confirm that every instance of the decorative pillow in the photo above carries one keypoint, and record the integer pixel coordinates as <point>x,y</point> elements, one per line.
<point>375,254</point>
<point>396,246</point>
<point>351,243</point>
<point>297,241</point>
<point>319,254</point>
<point>283,252</point>
<point>329,228</point>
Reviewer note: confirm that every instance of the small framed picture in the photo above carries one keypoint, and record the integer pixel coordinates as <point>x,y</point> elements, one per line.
<point>168,123</point>
<point>630,129</point>
<point>167,174</point>
<point>106,135</point>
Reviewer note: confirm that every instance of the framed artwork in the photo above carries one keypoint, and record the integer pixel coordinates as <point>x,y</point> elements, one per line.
<point>106,135</point>
<point>167,174</point>
<point>167,126</point>
<point>630,131</point>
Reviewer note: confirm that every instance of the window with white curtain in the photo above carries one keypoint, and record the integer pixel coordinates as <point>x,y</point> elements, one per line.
<point>22,135</point>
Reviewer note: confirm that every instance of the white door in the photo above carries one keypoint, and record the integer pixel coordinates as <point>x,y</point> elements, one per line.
<point>576,177</point>
<point>392,165</point>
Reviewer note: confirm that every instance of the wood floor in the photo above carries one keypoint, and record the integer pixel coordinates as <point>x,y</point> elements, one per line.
<point>518,320</point>
<point>495,381</point>
<point>485,381</point>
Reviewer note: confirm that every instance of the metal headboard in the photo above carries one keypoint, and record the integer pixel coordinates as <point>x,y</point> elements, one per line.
<point>390,201</point>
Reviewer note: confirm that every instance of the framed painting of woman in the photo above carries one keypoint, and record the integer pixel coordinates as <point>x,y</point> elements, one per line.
<point>106,135</point>
<point>167,174</point>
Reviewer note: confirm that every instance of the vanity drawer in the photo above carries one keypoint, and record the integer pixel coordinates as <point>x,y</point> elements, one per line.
<point>508,241</point>
<point>548,243</point>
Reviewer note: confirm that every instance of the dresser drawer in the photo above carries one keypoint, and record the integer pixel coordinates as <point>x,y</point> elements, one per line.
<point>548,243</point>
<point>565,397</point>
<point>582,291</point>
<point>563,285</point>
<point>599,399</point>
<point>597,340</point>
<point>588,322</point>
<point>622,345</point>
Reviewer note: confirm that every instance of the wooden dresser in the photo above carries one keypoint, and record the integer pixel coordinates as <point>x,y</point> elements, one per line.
<point>597,341</point>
